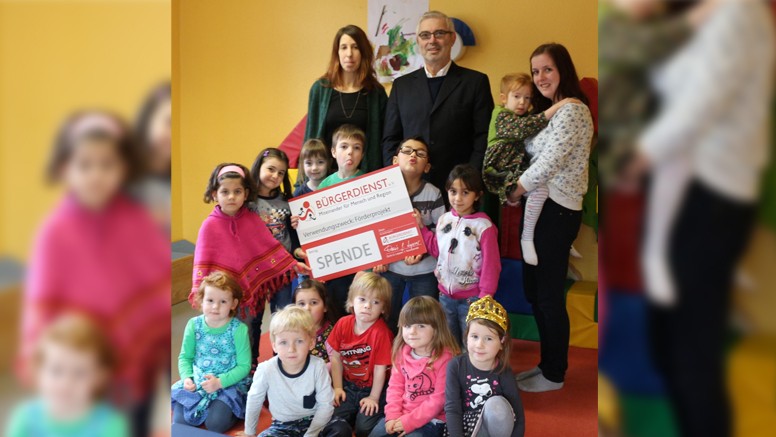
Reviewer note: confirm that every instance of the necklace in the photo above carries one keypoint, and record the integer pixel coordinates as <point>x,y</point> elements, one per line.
<point>342,104</point>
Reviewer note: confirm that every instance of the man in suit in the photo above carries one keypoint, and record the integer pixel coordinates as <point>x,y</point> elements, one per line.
<point>448,105</point>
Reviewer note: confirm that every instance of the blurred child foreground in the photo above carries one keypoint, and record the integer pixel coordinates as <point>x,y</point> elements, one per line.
<point>73,364</point>
<point>101,253</point>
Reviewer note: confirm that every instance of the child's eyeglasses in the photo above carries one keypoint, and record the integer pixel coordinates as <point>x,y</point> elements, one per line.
<point>420,153</point>
<point>438,34</point>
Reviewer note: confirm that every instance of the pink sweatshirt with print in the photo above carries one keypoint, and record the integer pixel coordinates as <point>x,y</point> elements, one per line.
<point>416,393</point>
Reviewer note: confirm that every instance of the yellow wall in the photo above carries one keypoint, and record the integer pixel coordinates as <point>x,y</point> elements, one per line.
<point>55,57</point>
<point>246,68</point>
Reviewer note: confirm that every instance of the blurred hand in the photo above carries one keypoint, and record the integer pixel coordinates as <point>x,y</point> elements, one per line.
<point>411,260</point>
<point>514,196</point>
<point>697,15</point>
<point>382,268</point>
<point>302,269</point>
<point>212,384</point>
<point>294,221</point>
<point>339,396</point>
<point>389,426</point>
<point>189,385</point>
<point>368,406</point>
<point>632,174</point>
<point>399,428</point>
<point>418,220</point>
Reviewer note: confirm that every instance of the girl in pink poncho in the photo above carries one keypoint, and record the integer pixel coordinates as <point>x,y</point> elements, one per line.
<point>101,253</point>
<point>235,240</point>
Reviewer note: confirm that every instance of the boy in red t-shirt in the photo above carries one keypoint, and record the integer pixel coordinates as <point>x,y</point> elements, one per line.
<point>360,354</point>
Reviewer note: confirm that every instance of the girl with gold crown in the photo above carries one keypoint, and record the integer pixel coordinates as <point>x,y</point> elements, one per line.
<point>481,392</point>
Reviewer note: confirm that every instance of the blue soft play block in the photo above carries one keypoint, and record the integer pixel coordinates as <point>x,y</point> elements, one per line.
<point>624,354</point>
<point>510,292</point>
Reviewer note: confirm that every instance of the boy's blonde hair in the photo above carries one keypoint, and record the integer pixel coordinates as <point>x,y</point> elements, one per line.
<point>347,132</point>
<point>291,318</point>
<point>513,81</point>
<point>370,283</point>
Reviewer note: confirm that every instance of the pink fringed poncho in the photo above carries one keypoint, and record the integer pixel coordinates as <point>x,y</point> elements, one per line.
<point>242,246</point>
<point>113,265</point>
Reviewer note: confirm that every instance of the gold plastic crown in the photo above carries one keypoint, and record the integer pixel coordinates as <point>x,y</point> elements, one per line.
<point>488,309</point>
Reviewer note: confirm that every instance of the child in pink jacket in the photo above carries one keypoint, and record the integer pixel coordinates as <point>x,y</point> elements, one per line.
<point>465,245</point>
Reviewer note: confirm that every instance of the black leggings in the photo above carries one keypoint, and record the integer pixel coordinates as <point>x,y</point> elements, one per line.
<point>544,285</point>
<point>219,416</point>
<point>708,239</point>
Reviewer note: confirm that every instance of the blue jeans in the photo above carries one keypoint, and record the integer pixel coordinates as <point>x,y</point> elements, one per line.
<point>455,312</point>
<point>428,430</point>
<point>420,285</point>
<point>281,299</point>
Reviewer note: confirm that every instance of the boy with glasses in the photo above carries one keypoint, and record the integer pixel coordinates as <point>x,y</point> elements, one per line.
<point>415,271</point>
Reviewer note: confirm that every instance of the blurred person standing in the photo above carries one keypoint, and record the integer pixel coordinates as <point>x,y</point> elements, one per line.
<point>708,147</point>
<point>152,131</point>
<point>637,35</point>
<point>73,364</point>
<point>100,253</point>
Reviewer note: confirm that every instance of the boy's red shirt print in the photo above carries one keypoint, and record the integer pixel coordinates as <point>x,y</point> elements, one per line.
<point>356,359</point>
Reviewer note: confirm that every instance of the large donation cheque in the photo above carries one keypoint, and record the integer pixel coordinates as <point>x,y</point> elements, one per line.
<point>358,224</point>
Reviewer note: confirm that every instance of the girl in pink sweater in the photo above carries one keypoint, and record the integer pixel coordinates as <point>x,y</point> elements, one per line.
<point>416,390</point>
<point>465,244</point>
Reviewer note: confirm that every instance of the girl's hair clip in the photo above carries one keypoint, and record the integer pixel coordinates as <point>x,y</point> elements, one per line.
<point>266,153</point>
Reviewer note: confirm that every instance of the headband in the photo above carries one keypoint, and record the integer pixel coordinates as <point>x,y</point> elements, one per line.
<point>93,122</point>
<point>234,168</point>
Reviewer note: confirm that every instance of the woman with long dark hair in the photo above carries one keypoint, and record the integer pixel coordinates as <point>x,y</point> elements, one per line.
<point>349,93</point>
<point>559,159</point>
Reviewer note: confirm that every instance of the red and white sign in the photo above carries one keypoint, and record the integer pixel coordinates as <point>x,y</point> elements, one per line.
<point>358,224</point>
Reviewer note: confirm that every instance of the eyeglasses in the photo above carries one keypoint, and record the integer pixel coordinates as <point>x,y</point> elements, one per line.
<point>420,153</point>
<point>438,34</point>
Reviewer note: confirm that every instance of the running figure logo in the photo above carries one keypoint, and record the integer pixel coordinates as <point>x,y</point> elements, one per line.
<point>306,212</point>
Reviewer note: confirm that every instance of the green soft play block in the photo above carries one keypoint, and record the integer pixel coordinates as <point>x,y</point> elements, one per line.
<point>523,327</point>
<point>647,416</point>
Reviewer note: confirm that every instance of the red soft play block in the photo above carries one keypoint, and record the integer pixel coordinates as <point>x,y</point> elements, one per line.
<point>292,143</point>
<point>620,241</point>
<point>589,86</point>
<point>509,232</point>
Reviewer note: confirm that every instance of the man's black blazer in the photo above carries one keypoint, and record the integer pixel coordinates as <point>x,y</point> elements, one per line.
<point>455,125</point>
